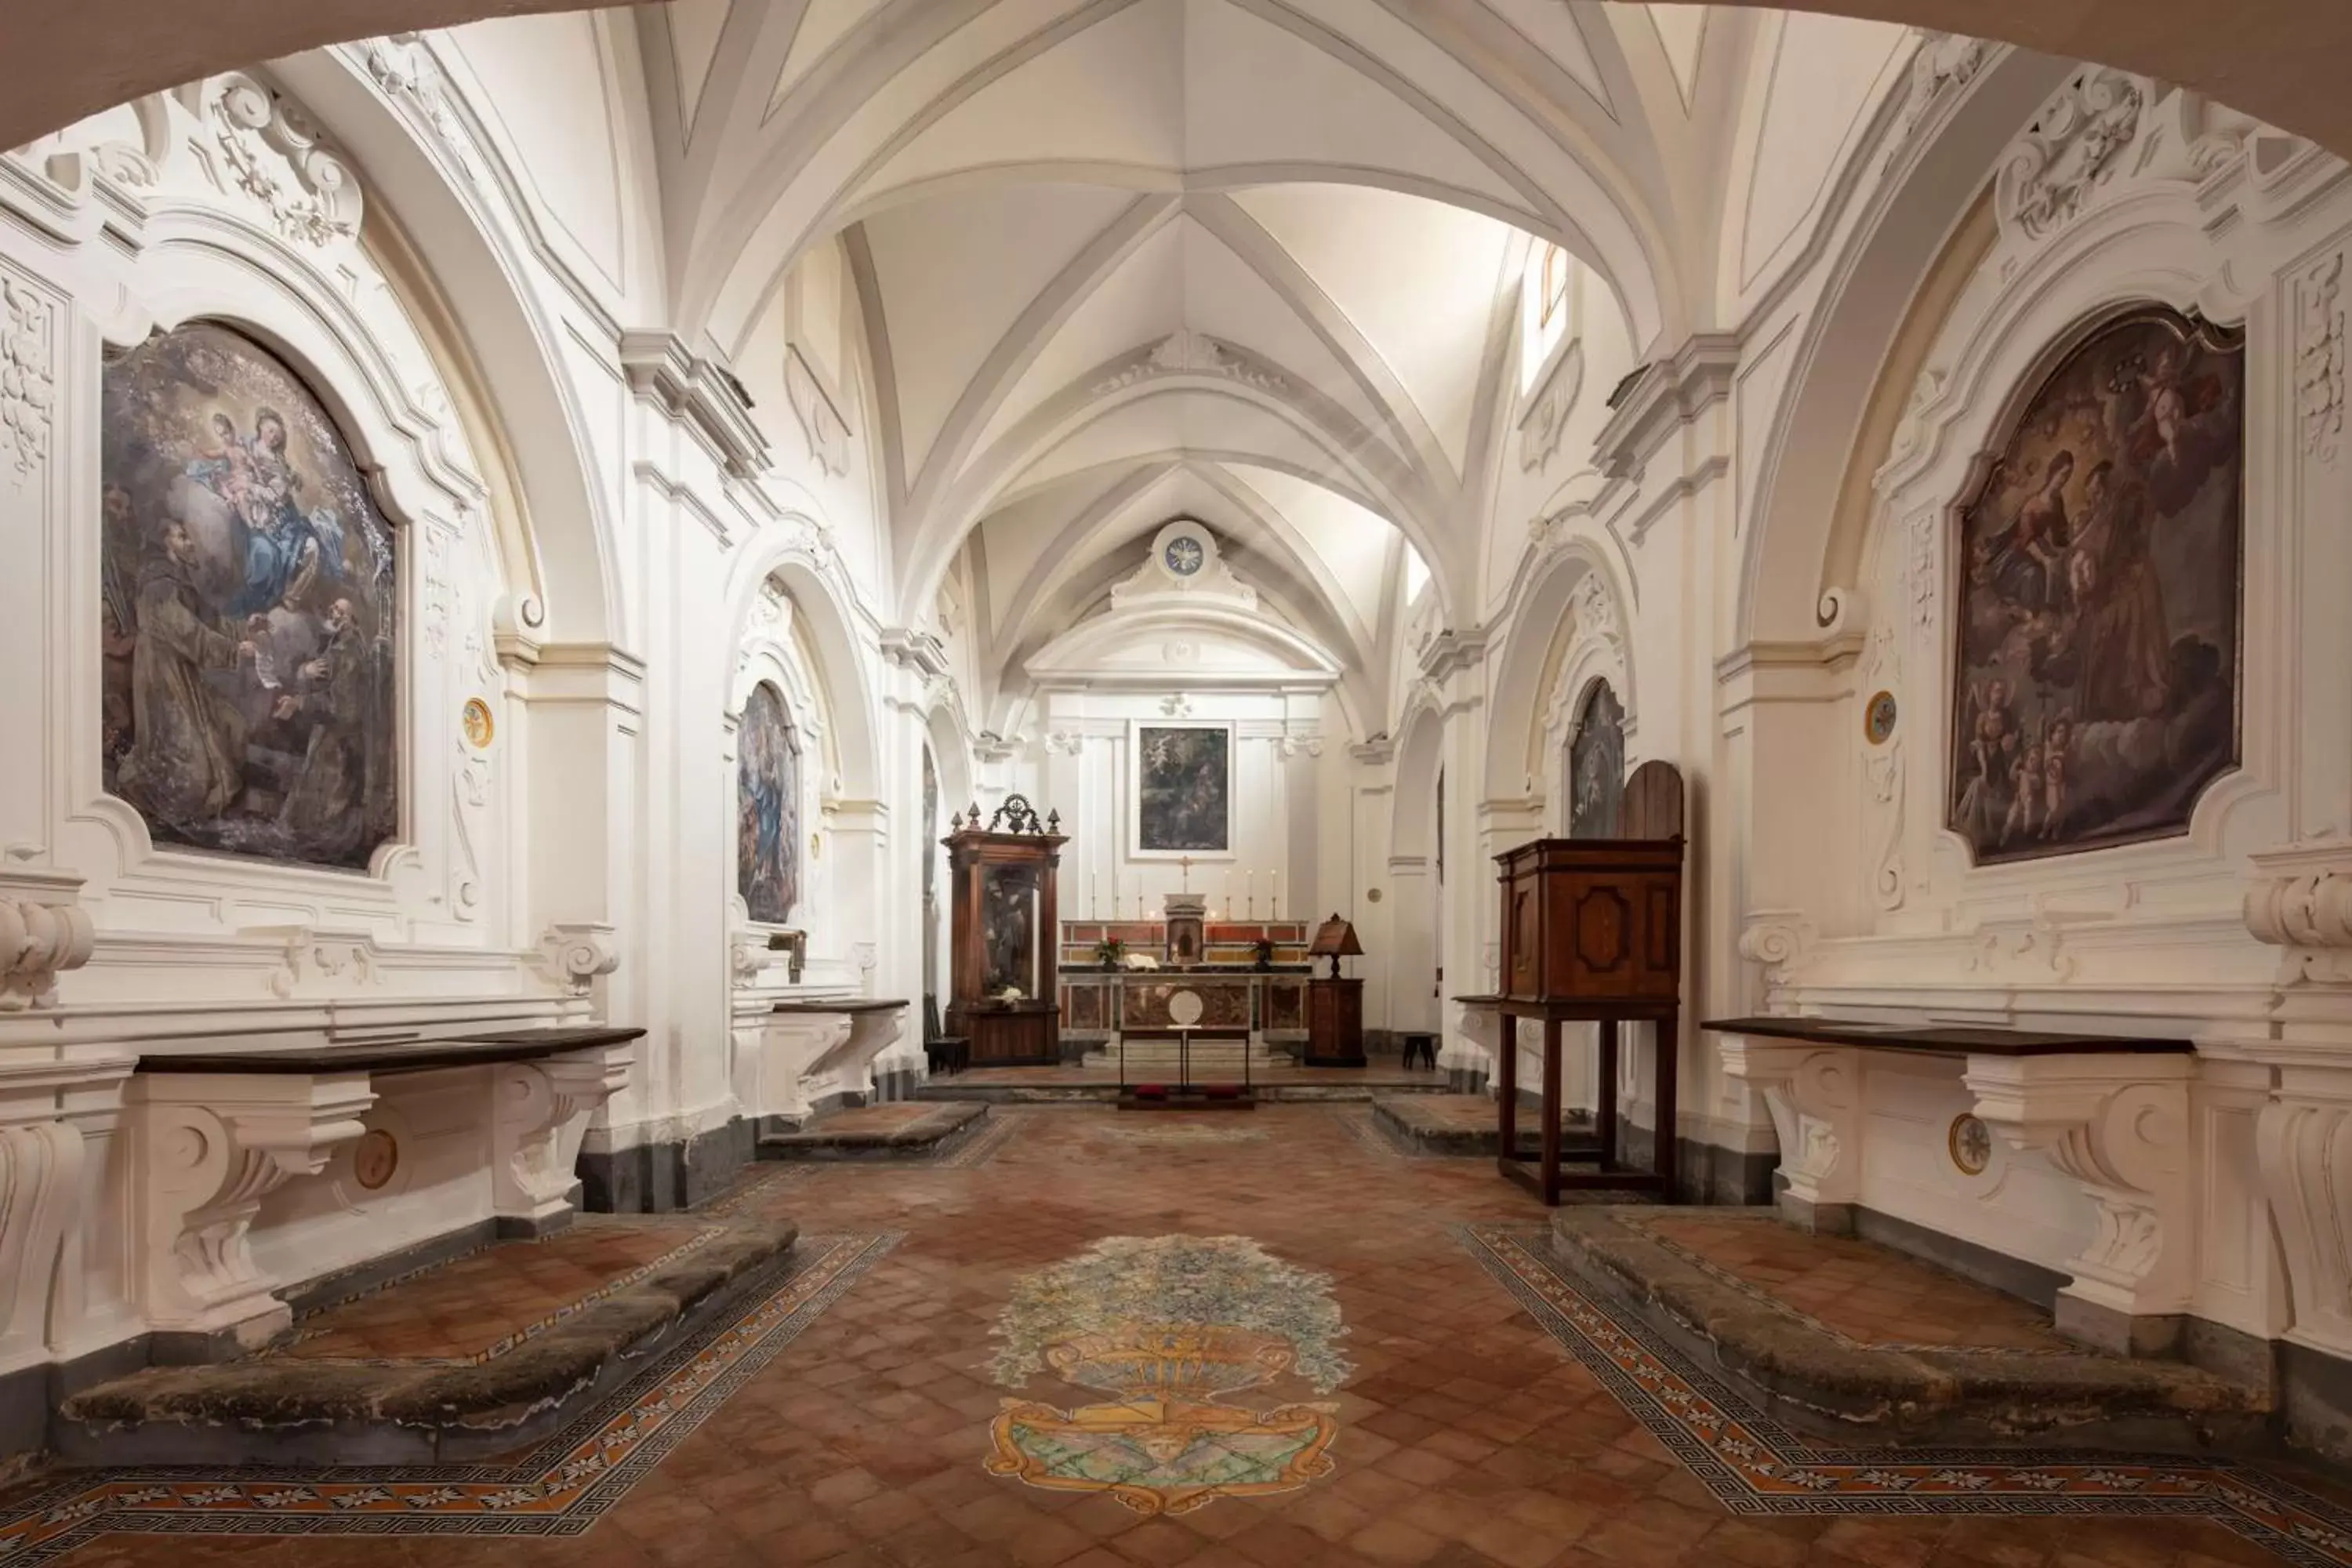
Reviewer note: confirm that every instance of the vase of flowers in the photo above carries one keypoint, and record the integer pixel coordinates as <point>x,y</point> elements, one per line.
<point>1110,952</point>
<point>1264,948</point>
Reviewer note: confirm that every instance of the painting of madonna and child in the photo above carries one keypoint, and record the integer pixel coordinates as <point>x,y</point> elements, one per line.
<point>2096,672</point>
<point>248,610</point>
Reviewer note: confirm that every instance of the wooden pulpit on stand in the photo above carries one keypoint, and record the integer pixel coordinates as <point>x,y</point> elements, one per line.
<point>1004,952</point>
<point>1592,932</point>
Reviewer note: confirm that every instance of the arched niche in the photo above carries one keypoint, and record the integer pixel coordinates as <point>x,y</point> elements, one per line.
<point>781,739</point>
<point>1570,630</point>
<point>304,284</point>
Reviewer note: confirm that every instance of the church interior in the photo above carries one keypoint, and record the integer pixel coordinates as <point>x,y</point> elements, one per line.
<point>1528,782</point>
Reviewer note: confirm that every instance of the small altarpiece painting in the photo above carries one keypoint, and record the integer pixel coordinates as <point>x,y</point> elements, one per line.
<point>768,808</point>
<point>1183,790</point>
<point>1596,765</point>
<point>2095,673</point>
<point>249,611</point>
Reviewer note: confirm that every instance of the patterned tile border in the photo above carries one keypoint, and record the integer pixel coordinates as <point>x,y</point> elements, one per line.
<point>1752,1465</point>
<point>758,1180</point>
<point>694,1242</point>
<point>560,1486</point>
<point>998,1129</point>
<point>1765,1299</point>
<point>1359,1122</point>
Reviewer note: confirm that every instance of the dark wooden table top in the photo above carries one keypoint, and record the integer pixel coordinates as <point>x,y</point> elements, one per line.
<point>404,1056</point>
<point>1946,1041</point>
<point>846,1004</point>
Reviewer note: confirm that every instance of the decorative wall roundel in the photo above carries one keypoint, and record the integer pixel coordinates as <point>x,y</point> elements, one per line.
<point>478,725</point>
<point>1970,1145</point>
<point>1878,718</point>
<point>1184,1009</point>
<point>375,1159</point>
<point>1183,549</point>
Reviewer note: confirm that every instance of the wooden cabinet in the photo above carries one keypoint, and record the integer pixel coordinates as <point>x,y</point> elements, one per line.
<point>1335,1022</point>
<point>1005,960</point>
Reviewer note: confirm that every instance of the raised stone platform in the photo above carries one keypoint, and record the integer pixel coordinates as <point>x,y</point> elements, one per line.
<point>457,1362</point>
<point>902,1130</point>
<point>1462,1124</point>
<point>1856,1343</point>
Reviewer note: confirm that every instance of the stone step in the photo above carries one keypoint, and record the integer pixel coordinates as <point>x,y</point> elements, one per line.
<point>295,1403</point>
<point>901,1130</point>
<point>2000,1379</point>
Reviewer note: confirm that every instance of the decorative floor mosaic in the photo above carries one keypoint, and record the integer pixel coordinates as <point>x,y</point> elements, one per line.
<point>559,1487</point>
<point>1176,1327</point>
<point>1754,1466</point>
<point>999,1129</point>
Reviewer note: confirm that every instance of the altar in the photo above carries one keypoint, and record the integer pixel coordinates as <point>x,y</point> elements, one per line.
<point>1253,975</point>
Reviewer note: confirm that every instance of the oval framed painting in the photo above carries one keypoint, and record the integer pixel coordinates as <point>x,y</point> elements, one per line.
<point>1878,718</point>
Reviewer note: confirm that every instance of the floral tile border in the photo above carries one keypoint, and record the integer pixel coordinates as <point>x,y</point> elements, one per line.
<point>561,1487</point>
<point>1753,1465</point>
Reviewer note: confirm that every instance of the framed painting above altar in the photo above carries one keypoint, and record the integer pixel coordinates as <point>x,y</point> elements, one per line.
<point>1182,798</point>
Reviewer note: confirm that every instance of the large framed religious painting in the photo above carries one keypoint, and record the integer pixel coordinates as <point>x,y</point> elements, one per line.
<point>1596,765</point>
<point>768,808</point>
<point>2096,668</point>
<point>1183,790</point>
<point>248,609</point>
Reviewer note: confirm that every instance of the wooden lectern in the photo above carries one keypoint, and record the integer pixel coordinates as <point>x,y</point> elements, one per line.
<point>1335,1003</point>
<point>1592,932</point>
<point>1004,958</point>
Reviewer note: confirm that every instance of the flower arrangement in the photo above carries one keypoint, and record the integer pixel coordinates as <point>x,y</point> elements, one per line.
<point>1263,949</point>
<point>1110,952</point>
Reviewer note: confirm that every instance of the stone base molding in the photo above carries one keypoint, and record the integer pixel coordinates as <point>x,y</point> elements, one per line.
<point>205,1150</point>
<point>42,1162</point>
<point>2119,1126</point>
<point>542,1113</point>
<point>1814,1095</point>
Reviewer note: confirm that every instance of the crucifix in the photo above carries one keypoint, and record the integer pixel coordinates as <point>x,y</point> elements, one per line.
<point>1187,864</point>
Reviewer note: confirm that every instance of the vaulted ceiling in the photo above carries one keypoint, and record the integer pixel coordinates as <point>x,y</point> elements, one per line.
<point>1258,260</point>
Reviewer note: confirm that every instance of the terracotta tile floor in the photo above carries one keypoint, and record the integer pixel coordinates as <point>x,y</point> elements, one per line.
<point>469,1307</point>
<point>1868,1293</point>
<point>1380,1075</point>
<point>1465,1433</point>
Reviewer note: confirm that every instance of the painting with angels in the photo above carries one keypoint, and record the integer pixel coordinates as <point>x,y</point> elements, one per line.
<point>248,609</point>
<point>2095,675</point>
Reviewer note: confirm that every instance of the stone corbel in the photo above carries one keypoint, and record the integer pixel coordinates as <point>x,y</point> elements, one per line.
<point>574,953</point>
<point>2301,899</point>
<point>1780,939</point>
<point>2119,1126</point>
<point>44,932</point>
<point>1814,1096</point>
<point>543,1109</point>
<point>41,1168</point>
<point>206,1149</point>
<point>790,1048</point>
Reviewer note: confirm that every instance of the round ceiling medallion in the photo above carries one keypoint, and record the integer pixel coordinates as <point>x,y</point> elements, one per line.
<point>1183,549</point>
<point>374,1158</point>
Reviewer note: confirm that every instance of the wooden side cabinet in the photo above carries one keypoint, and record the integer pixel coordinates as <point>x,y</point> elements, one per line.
<point>1335,1022</point>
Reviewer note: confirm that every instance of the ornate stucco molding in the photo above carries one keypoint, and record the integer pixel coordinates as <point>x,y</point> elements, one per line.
<point>44,932</point>
<point>1546,418</point>
<point>28,385</point>
<point>2074,145</point>
<point>272,154</point>
<point>575,954</point>
<point>2301,899</point>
